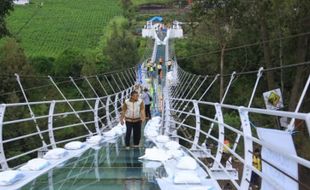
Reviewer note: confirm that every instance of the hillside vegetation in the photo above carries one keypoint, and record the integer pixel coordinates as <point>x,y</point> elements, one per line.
<point>141,2</point>
<point>47,28</point>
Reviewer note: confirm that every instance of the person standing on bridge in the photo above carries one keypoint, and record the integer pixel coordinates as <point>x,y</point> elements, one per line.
<point>149,67</point>
<point>169,64</point>
<point>154,70</point>
<point>133,114</point>
<point>147,99</point>
<point>257,163</point>
<point>138,88</point>
<point>159,69</point>
<point>161,60</point>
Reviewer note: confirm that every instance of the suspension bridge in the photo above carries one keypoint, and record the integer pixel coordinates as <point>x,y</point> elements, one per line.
<point>183,112</point>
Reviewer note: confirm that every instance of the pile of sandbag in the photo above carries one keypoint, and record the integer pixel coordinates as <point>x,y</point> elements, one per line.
<point>186,171</point>
<point>94,140</point>
<point>152,127</point>
<point>165,150</point>
<point>116,131</point>
<point>35,164</point>
<point>171,79</point>
<point>10,177</point>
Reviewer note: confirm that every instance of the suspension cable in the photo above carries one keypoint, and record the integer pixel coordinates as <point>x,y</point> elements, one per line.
<point>48,85</point>
<point>246,45</point>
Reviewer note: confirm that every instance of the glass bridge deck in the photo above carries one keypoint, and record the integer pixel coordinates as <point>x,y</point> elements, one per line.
<point>110,167</point>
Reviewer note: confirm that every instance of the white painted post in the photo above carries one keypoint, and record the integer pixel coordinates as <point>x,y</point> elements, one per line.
<point>222,101</point>
<point>96,117</point>
<point>220,119</point>
<point>115,106</point>
<point>3,162</point>
<point>50,124</point>
<point>248,148</point>
<point>259,75</point>
<point>197,128</point>
<point>107,112</point>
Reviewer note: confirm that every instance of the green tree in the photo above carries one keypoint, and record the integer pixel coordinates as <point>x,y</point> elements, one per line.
<point>42,65</point>
<point>118,47</point>
<point>12,60</point>
<point>300,24</point>
<point>122,50</point>
<point>5,7</point>
<point>121,23</point>
<point>69,63</point>
<point>259,34</point>
<point>217,18</point>
<point>128,9</point>
<point>92,64</point>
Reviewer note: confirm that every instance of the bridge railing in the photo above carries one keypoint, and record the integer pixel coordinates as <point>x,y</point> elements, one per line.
<point>243,153</point>
<point>56,126</point>
<point>29,129</point>
<point>207,126</point>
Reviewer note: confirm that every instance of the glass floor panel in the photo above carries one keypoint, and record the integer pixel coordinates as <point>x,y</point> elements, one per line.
<point>110,167</point>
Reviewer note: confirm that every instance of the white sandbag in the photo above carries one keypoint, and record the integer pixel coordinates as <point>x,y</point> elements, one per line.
<point>154,124</point>
<point>187,163</point>
<point>94,139</point>
<point>151,134</point>
<point>169,75</point>
<point>110,133</point>
<point>111,140</point>
<point>151,165</point>
<point>155,127</point>
<point>118,130</point>
<point>175,153</point>
<point>187,177</point>
<point>124,130</point>
<point>172,145</point>
<point>156,119</point>
<point>56,153</point>
<point>122,127</point>
<point>169,78</point>
<point>35,164</point>
<point>162,139</point>
<point>152,127</point>
<point>10,177</point>
<point>155,154</point>
<point>74,145</point>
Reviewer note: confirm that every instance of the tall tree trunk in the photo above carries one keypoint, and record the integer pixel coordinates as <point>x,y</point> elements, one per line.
<point>301,72</point>
<point>281,62</point>
<point>267,55</point>
<point>222,71</point>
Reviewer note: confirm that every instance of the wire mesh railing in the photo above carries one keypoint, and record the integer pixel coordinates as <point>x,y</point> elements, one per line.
<point>34,126</point>
<point>228,134</point>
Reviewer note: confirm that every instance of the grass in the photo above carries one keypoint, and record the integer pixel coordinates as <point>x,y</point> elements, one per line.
<point>60,24</point>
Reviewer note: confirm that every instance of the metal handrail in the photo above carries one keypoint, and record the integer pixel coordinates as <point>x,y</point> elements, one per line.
<point>293,115</point>
<point>182,111</point>
<point>117,96</point>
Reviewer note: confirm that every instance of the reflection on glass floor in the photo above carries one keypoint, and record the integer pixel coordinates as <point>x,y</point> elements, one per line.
<point>108,167</point>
